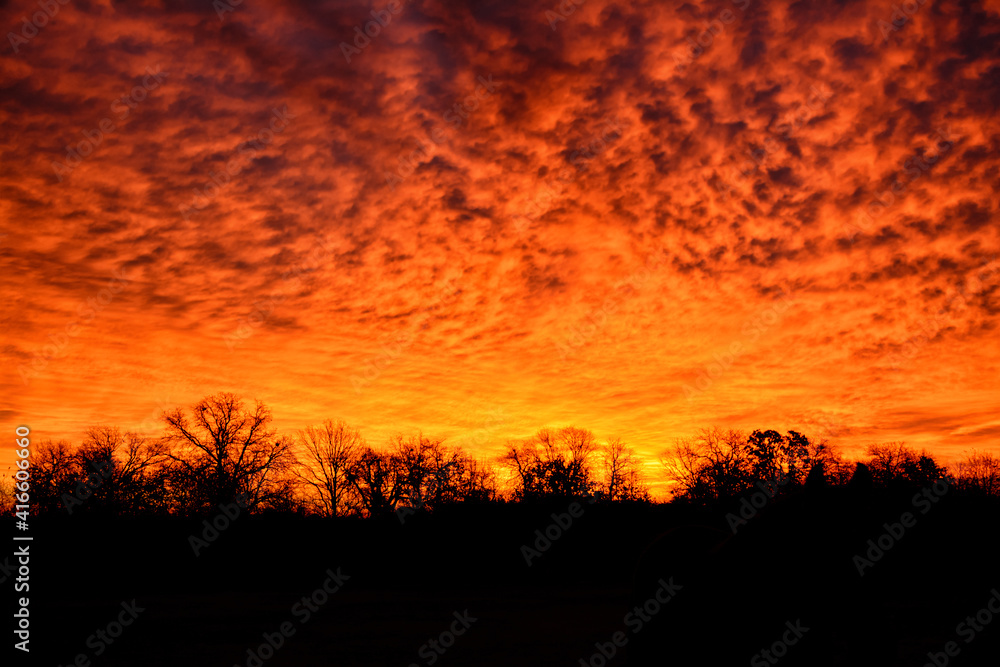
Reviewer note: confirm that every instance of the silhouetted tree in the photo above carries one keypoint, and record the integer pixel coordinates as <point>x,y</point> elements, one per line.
<point>720,463</point>
<point>477,480</point>
<point>226,451</point>
<point>428,471</point>
<point>979,474</point>
<point>888,461</point>
<point>7,501</point>
<point>894,464</point>
<point>53,474</point>
<point>925,471</point>
<point>552,463</point>
<point>711,466</point>
<point>816,479</point>
<point>375,478</point>
<point>837,470</point>
<point>131,481</point>
<point>432,474</point>
<point>329,453</point>
<point>622,473</point>
<point>772,455</point>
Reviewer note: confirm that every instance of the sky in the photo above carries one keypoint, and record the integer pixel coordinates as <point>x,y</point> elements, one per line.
<point>478,219</point>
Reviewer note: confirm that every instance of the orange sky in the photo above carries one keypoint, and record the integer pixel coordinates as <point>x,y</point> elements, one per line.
<point>577,246</point>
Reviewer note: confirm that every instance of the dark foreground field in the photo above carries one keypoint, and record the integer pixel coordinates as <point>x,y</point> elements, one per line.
<point>787,582</point>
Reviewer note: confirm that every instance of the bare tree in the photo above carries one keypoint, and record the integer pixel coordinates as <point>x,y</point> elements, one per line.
<point>615,460</point>
<point>888,461</point>
<point>622,473</point>
<point>130,481</point>
<point>53,474</point>
<point>329,452</point>
<point>432,474</point>
<point>426,469</point>
<point>523,461</point>
<point>979,473</point>
<point>895,464</point>
<point>578,442</point>
<point>836,469</point>
<point>476,481</point>
<point>226,452</point>
<point>713,465</point>
<point>6,497</point>
<point>376,479</point>
<point>552,463</point>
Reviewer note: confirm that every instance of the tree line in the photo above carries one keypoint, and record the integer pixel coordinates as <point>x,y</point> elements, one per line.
<point>719,464</point>
<point>224,450</point>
